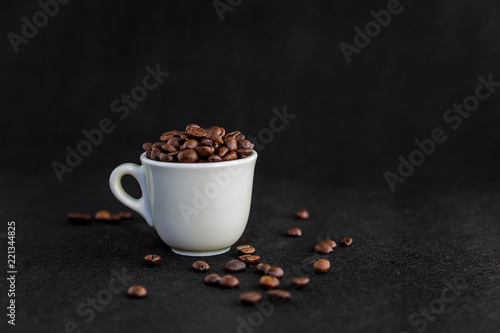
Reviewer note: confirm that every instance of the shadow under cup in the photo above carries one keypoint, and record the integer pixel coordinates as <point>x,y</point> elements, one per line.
<point>198,209</point>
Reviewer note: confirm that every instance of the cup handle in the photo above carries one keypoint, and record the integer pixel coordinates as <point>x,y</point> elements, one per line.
<point>115,183</point>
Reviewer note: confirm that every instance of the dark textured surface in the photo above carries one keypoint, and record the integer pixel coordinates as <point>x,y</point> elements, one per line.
<point>406,247</point>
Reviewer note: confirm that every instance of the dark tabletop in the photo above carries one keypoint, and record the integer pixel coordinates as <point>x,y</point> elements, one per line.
<point>433,250</point>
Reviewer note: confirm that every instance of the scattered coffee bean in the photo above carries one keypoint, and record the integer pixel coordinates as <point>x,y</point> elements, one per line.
<point>279,294</point>
<point>303,214</point>
<point>79,218</point>
<point>323,248</point>
<point>294,232</point>
<point>270,282</point>
<point>212,279</point>
<point>332,244</point>
<point>300,282</point>
<point>152,259</point>
<point>235,266</point>
<point>137,291</point>
<point>345,241</point>
<point>245,249</point>
<point>322,266</point>
<point>262,267</point>
<point>275,271</point>
<point>249,258</point>
<point>125,214</point>
<point>200,266</point>
<point>106,216</point>
<point>229,281</point>
<point>251,297</point>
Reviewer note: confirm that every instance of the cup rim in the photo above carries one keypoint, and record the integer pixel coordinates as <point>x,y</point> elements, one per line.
<point>178,165</point>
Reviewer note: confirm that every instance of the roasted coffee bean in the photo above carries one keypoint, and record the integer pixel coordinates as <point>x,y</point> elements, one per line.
<point>323,248</point>
<point>245,249</point>
<point>137,291</point>
<point>345,241</point>
<point>166,137</point>
<point>103,215</point>
<point>125,214</point>
<point>148,153</point>
<point>190,144</point>
<point>262,267</point>
<point>244,144</point>
<point>79,218</point>
<point>279,294</point>
<point>158,144</point>
<point>183,136</point>
<point>200,266</point>
<point>152,259</point>
<point>154,156</point>
<point>195,132</point>
<point>212,279</point>
<point>229,281</point>
<point>147,145</point>
<point>205,151</point>
<point>214,158</point>
<point>176,142</point>
<point>242,153</point>
<point>173,132</point>
<point>249,258</point>
<point>187,156</point>
<point>275,271</point>
<point>215,138</point>
<point>168,148</point>
<point>157,150</point>
<point>303,214</point>
<point>217,130</point>
<point>207,142</point>
<point>251,297</point>
<point>235,266</point>
<point>270,282</point>
<point>240,137</point>
<point>166,157</point>
<point>230,156</point>
<point>300,282</point>
<point>332,244</point>
<point>231,143</point>
<point>222,151</point>
<point>294,232</point>
<point>232,134</point>
<point>322,266</point>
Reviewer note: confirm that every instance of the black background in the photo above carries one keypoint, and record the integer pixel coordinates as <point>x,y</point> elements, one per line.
<point>353,120</point>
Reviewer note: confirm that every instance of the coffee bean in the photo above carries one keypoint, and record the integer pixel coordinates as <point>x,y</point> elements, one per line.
<point>345,241</point>
<point>183,136</point>
<point>79,218</point>
<point>147,145</point>
<point>300,282</point>
<point>215,138</point>
<point>249,258</point>
<point>279,294</point>
<point>212,279</point>
<point>244,144</point>
<point>168,148</point>
<point>322,266</point>
<point>137,291</point>
<point>303,214</point>
<point>176,142</point>
<point>269,282</point>
<point>222,151</point>
<point>200,266</point>
<point>294,232</point>
<point>229,281</point>
<point>158,144</point>
<point>231,143</point>
<point>205,151</point>
<point>235,266</point>
<point>245,249</point>
<point>323,248</point>
<point>214,158</point>
<point>216,130</point>
<point>106,216</point>
<point>240,137</point>
<point>233,134</point>
<point>166,158</point>
<point>242,153</point>
<point>154,156</point>
<point>207,142</point>
<point>275,271</point>
<point>187,156</point>
<point>230,156</point>
<point>166,137</point>
<point>125,214</point>
<point>332,244</point>
<point>152,259</point>
<point>190,144</point>
<point>195,132</point>
<point>250,298</point>
<point>262,267</point>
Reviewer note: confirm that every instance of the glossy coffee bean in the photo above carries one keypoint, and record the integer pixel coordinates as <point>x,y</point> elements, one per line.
<point>240,137</point>
<point>244,144</point>
<point>205,151</point>
<point>125,214</point>
<point>147,145</point>
<point>262,267</point>
<point>230,156</point>
<point>212,279</point>
<point>269,282</point>
<point>322,266</point>
<point>187,156</point>
<point>207,142</point>
<point>166,157</point>
<point>242,153</point>
<point>106,216</point>
<point>214,158</point>
<point>190,144</point>
<point>345,241</point>
<point>303,214</point>
<point>275,271</point>
<point>200,266</point>
<point>137,291</point>
<point>249,258</point>
<point>168,148</point>
<point>323,248</point>
<point>294,232</point>
<point>279,294</point>
<point>79,218</point>
<point>222,151</point>
<point>174,141</point>
<point>166,137</point>
<point>330,242</point>
<point>152,259</point>
<point>231,143</point>
<point>195,132</point>
<point>158,144</point>
<point>250,298</point>
<point>300,282</point>
<point>229,281</point>
<point>215,138</point>
<point>245,249</point>
<point>235,266</point>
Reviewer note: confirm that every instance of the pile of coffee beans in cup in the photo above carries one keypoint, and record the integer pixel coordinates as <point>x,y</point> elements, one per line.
<point>199,145</point>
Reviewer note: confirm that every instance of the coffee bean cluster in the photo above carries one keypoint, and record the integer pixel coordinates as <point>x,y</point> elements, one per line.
<point>199,145</point>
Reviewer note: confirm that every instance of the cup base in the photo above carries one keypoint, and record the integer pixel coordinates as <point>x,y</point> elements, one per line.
<point>202,253</point>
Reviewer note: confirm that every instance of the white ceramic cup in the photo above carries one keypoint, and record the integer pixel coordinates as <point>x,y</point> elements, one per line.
<point>198,209</point>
